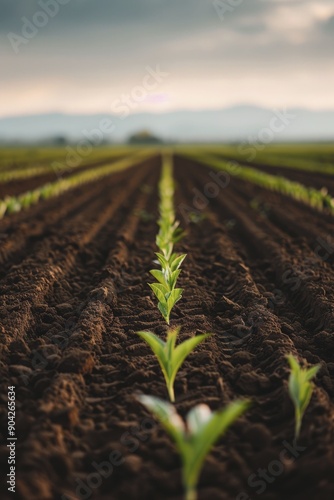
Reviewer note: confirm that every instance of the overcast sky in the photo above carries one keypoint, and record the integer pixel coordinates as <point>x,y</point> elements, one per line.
<point>91,53</point>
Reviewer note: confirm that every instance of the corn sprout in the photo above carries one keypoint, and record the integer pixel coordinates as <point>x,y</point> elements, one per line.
<point>169,233</point>
<point>300,389</point>
<point>195,437</point>
<point>169,356</point>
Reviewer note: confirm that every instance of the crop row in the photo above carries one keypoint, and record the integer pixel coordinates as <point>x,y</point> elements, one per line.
<point>13,204</point>
<point>314,158</point>
<point>26,156</point>
<point>23,173</point>
<point>59,165</point>
<point>195,436</point>
<point>315,198</point>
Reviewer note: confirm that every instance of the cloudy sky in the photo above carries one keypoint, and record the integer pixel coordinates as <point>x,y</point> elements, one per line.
<point>86,56</point>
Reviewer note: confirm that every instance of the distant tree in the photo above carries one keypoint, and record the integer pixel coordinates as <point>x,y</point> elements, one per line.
<point>60,141</point>
<point>144,137</point>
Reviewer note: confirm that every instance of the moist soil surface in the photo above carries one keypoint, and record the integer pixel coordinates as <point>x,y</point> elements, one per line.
<point>73,287</point>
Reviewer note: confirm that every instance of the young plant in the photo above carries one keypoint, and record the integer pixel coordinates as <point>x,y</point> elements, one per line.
<point>169,356</point>
<point>195,437</point>
<point>300,389</point>
<point>169,233</point>
<point>165,289</point>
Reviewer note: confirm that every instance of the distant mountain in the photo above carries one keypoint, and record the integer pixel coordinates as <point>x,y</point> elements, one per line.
<point>238,123</point>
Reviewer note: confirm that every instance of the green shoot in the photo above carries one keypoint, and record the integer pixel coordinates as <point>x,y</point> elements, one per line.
<point>300,389</point>
<point>195,437</point>
<point>169,356</point>
<point>165,290</point>
<point>169,233</point>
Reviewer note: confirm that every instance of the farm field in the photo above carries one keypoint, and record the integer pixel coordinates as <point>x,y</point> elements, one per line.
<point>258,275</point>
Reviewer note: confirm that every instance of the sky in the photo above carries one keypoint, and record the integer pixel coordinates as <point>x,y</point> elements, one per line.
<point>92,56</point>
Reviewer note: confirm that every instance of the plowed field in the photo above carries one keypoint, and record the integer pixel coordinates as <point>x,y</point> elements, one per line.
<point>73,288</point>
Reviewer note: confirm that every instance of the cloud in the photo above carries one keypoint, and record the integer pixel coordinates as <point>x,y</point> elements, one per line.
<point>92,51</point>
<point>327,26</point>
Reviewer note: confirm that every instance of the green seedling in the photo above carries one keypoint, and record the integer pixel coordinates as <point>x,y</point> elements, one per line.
<point>169,233</point>
<point>195,437</point>
<point>170,356</point>
<point>165,290</point>
<point>13,205</point>
<point>300,389</point>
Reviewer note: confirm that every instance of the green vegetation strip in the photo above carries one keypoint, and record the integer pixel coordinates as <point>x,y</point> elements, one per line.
<point>69,161</point>
<point>310,196</point>
<point>308,165</point>
<point>24,173</point>
<point>14,204</point>
<point>317,160</point>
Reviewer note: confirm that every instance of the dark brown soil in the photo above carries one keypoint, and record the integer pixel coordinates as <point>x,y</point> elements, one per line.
<point>74,292</point>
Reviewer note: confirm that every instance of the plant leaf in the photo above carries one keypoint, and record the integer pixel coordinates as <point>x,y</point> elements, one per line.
<point>167,416</point>
<point>183,350</point>
<point>174,296</point>
<point>164,311</point>
<point>159,276</point>
<point>158,346</point>
<point>294,365</point>
<point>197,417</point>
<point>163,261</point>
<point>173,278</point>
<point>201,442</point>
<point>311,372</point>
<point>177,261</point>
<point>159,291</point>
<point>300,389</point>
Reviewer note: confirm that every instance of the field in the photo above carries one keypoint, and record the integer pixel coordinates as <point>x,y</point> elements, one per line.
<point>75,261</point>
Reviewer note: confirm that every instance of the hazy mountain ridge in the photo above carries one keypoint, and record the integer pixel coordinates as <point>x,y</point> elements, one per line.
<point>238,123</point>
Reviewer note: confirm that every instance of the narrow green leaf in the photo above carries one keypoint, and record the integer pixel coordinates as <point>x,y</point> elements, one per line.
<point>197,418</point>
<point>177,261</point>
<point>178,235</point>
<point>164,311</point>
<point>170,347</point>
<point>159,291</point>
<point>300,389</point>
<point>158,347</point>
<point>159,276</point>
<point>174,296</point>
<point>194,441</point>
<point>173,278</point>
<point>294,365</point>
<point>206,436</point>
<point>167,416</point>
<point>311,372</point>
<point>183,350</point>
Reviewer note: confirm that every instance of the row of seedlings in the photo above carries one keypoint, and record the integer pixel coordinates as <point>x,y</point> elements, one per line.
<point>318,199</point>
<point>13,204</point>
<point>195,436</point>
